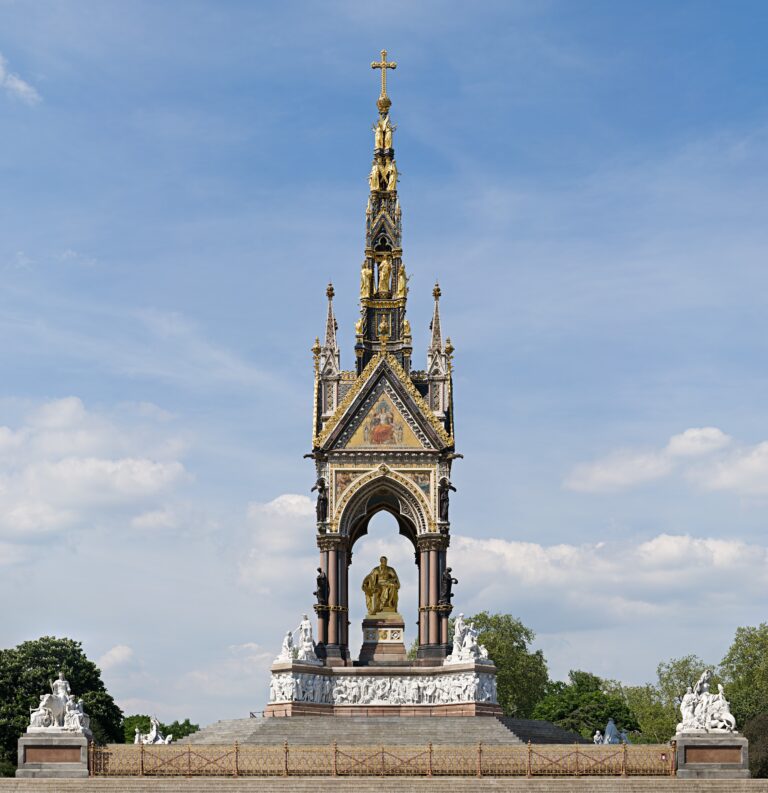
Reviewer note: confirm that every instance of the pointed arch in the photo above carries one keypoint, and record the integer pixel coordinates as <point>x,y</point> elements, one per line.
<point>383,489</point>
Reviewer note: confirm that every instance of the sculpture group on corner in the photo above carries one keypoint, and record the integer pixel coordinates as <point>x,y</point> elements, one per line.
<point>465,644</point>
<point>703,711</point>
<point>59,710</point>
<point>304,650</point>
<point>154,736</point>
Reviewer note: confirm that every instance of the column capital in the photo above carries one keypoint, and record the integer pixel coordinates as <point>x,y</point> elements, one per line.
<point>327,542</point>
<point>432,542</point>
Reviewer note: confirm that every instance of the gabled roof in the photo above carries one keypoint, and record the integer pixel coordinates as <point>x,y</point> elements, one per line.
<point>383,366</point>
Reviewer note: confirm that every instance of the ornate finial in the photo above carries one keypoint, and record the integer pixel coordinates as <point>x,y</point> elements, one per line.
<point>316,348</point>
<point>436,291</point>
<point>329,292</point>
<point>449,348</point>
<point>383,102</point>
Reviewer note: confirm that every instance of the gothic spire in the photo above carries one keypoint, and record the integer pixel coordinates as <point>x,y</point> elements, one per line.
<point>436,342</point>
<point>383,279</point>
<point>330,358</point>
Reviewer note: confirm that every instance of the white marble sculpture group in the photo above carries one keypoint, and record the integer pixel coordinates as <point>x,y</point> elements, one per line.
<point>305,650</point>
<point>465,645</point>
<point>59,710</point>
<point>703,711</point>
<point>154,736</point>
<point>445,689</point>
<point>612,735</point>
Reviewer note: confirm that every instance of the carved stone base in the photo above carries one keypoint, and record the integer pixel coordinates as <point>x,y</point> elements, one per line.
<point>405,690</point>
<point>54,753</point>
<point>383,636</point>
<point>712,756</point>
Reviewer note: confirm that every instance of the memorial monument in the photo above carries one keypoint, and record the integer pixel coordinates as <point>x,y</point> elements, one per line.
<point>56,741</point>
<point>707,742</point>
<point>383,441</point>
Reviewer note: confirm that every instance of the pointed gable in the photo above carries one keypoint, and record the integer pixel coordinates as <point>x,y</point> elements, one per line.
<point>383,410</point>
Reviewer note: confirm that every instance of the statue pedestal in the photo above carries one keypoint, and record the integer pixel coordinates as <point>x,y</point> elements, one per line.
<point>706,755</point>
<point>53,753</point>
<point>383,636</point>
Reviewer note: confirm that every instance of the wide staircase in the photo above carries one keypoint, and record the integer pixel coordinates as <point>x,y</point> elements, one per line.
<point>361,731</point>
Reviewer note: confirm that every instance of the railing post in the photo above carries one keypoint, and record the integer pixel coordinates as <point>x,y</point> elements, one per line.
<point>189,760</point>
<point>90,759</point>
<point>480,759</point>
<point>577,759</point>
<point>335,759</point>
<point>529,769</point>
<point>285,759</point>
<point>237,754</point>
<point>141,760</point>
<point>429,768</point>
<point>624,761</point>
<point>382,760</point>
<point>672,757</point>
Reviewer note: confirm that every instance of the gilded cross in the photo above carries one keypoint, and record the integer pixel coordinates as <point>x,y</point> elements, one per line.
<point>383,64</point>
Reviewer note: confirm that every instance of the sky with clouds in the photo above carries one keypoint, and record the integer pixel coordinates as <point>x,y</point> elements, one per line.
<point>180,180</point>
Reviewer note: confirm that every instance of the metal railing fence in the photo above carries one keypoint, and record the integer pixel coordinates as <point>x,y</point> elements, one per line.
<point>382,760</point>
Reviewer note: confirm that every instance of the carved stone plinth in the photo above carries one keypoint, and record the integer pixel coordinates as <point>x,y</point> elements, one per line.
<point>405,690</point>
<point>53,753</point>
<point>712,756</point>
<point>383,639</point>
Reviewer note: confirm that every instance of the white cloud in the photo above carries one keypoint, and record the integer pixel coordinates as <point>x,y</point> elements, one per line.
<point>66,467</point>
<point>156,519</point>
<point>282,540</point>
<point>697,441</point>
<point>704,455</point>
<point>233,674</point>
<point>599,583</point>
<point>119,655</point>
<point>744,472</point>
<point>618,471</point>
<point>16,87</point>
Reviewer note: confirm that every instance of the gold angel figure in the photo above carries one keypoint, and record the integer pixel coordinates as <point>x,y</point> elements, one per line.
<point>366,280</point>
<point>385,275</point>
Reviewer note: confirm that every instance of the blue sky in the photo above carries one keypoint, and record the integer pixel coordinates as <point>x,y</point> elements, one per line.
<point>178,183</point>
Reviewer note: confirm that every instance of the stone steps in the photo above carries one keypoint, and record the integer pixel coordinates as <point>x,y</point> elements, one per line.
<point>537,731</point>
<point>357,731</point>
<point>381,785</point>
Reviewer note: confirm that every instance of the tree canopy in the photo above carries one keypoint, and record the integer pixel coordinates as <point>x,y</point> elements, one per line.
<point>584,704</point>
<point>744,673</point>
<point>26,672</point>
<point>522,674</point>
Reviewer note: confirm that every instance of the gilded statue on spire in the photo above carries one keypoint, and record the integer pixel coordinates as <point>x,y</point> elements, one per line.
<point>366,280</point>
<point>385,276</point>
<point>402,282</point>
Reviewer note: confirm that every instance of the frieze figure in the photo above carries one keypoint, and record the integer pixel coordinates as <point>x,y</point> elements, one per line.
<point>446,586</point>
<point>321,507</point>
<point>443,498</point>
<point>381,587</point>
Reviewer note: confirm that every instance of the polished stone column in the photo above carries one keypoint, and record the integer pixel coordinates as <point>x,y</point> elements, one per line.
<point>322,614</point>
<point>423,597</point>
<point>333,597</point>
<point>434,590</point>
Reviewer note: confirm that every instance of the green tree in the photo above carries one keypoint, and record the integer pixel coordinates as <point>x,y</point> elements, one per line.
<point>756,732</point>
<point>522,674</point>
<point>584,704</point>
<point>744,673</point>
<point>25,674</point>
